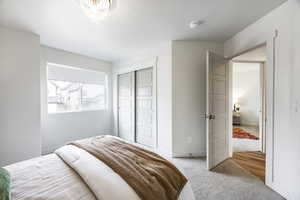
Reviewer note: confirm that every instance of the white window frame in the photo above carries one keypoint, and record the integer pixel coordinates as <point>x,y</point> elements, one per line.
<point>106,92</point>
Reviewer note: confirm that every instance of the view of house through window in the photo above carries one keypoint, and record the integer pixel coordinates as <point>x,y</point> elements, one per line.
<point>73,89</point>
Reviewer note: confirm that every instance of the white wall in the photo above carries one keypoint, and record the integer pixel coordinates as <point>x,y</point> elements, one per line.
<point>20,96</point>
<point>246,91</point>
<point>286,177</point>
<point>189,95</point>
<point>60,128</point>
<point>164,90</point>
<point>181,87</point>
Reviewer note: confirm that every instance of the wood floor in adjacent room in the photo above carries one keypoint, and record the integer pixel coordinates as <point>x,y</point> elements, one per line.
<point>254,162</point>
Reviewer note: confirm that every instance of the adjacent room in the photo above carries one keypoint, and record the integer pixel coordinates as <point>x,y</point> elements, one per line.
<point>149,100</point>
<point>249,110</point>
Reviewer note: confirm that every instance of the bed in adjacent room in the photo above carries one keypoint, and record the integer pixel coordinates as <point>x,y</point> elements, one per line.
<point>90,169</point>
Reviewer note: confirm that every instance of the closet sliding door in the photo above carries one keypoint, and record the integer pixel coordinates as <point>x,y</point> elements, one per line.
<point>136,104</point>
<point>126,111</point>
<point>144,107</point>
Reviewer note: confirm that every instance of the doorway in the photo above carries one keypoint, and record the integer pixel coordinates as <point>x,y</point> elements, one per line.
<point>136,106</point>
<point>248,106</point>
<point>236,110</point>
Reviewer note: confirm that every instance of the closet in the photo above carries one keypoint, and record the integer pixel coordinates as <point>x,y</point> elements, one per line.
<point>136,106</point>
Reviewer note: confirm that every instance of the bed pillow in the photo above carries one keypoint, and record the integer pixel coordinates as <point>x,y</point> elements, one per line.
<point>4,184</point>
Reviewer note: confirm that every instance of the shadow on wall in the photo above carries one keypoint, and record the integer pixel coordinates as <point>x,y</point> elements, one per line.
<point>249,109</point>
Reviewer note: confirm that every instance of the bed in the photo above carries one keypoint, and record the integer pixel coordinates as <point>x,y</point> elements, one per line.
<point>56,176</point>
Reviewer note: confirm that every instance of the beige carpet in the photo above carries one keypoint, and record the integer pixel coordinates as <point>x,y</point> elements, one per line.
<point>227,182</point>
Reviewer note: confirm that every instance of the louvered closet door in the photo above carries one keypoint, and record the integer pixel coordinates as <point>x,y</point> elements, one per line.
<point>126,106</point>
<point>144,107</point>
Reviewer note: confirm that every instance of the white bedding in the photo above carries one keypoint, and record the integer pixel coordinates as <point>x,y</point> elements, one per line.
<point>49,177</point>
<point>102,180</point>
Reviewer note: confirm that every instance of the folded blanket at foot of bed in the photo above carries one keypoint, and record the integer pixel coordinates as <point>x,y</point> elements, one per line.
<point>4,184</point>
<point>148,175</point>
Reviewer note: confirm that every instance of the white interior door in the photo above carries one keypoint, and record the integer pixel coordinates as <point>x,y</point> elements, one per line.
<point>216,110</point>
<point>144,107</point>
<point>126,113</point>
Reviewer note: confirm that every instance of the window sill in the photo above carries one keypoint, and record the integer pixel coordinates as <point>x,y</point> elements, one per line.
<point>77,111</point>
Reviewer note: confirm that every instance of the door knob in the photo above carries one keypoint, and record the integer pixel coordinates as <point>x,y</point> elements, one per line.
<point>210,116</point>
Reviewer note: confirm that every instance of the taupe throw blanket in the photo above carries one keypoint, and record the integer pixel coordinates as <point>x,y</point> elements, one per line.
<point>151,176</point>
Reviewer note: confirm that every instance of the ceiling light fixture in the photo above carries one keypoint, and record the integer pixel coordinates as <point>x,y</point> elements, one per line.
<point>196,23</point>
<point>96,10</point>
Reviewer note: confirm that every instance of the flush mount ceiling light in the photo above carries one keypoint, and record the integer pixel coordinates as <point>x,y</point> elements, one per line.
<point>196,23</point>
<point>96,10</point>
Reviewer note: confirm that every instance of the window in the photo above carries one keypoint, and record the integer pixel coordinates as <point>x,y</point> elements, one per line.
<point>73,89</point>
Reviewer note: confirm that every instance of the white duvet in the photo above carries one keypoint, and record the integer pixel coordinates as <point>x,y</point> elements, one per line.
<point>102,180</point>
<point>71,174</point>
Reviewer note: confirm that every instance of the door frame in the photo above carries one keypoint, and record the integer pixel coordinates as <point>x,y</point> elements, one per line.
<point>262,106</point>
<point>149,63</point>
<point>270,82</point>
